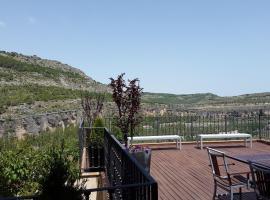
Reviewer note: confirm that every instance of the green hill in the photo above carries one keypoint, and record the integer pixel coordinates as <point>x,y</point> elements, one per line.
<point>26,80</point>
<point>164,98</point>
<point>206,99</point>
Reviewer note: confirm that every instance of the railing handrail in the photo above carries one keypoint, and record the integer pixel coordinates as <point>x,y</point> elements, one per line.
<point>118,187</point>
<point>122,184</point>
<point>133,160</point>
<point>150,178</point>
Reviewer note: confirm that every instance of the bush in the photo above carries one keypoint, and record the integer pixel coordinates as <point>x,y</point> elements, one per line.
<point>20,170</point>
<point>59,182</point>
<point>26,165</point>
<point>97,133</point>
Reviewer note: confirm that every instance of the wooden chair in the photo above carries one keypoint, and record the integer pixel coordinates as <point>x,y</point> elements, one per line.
<point>261,180</point>
<point>223,178</point>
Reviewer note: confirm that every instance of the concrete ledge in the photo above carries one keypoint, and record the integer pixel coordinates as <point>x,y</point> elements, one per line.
<point>90,174</point>
<point>92,180</point>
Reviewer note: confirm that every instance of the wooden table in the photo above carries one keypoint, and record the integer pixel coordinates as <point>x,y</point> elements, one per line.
<point>261,158</point>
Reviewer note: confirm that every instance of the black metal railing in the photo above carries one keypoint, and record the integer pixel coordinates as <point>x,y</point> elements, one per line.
<point>190,125</point>
<point>127,179</point>
<point>92,148</point>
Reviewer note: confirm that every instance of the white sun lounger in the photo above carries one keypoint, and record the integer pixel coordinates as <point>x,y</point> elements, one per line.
<point>176,138</point>
<point>245,136</point>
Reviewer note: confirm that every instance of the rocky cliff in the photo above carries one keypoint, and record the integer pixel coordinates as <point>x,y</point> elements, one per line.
<point>36,124</point>
<point>18,69</point>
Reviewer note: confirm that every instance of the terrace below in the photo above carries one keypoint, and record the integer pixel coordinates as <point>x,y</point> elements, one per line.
<point>186,174</point>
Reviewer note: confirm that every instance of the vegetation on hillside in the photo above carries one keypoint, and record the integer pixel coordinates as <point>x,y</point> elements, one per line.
<point>24,74</point>
<point>27,165</point>
<point>164,98</point>
<point>205,99</point>
<point>12,95</point>
<point>21,67</point>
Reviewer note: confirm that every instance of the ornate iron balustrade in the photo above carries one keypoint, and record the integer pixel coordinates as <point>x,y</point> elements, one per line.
<point>127,179</point>
<point>94,153</point>
<point>190,125</point>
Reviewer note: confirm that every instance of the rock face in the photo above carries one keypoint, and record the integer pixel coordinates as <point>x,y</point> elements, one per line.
<point>30,125</point>
<point>30,84</point>
<point>33,125</point>
<point>66,76</point>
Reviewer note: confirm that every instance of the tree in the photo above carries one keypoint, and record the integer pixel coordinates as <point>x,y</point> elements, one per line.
<point>128,100</point>
<point>92,104</point>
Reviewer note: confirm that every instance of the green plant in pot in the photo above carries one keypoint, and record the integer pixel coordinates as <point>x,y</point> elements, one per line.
<point>96,144</point>
<point>127,98</point>
<point>92,104</point>
<point>96,137</point>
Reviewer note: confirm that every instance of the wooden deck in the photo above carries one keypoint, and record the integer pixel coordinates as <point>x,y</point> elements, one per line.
<point>186,174</point>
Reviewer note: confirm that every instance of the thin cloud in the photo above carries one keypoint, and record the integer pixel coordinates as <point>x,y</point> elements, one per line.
<point>32,20</point>
<point>2,24</point>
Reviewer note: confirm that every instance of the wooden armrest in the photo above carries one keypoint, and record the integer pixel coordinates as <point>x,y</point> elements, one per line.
<point>224,165</point>
<point>239,173</point>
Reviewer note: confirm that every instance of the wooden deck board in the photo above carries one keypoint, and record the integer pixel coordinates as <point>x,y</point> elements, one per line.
<point>186,174</point>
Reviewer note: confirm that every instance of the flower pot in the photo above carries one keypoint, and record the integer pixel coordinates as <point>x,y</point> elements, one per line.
<point>144,158</point>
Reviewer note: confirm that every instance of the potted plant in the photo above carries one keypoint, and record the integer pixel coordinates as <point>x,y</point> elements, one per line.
<point>92,104</point>
<point>127,98</point>
<point>142,155</point>
<point>96,145</point>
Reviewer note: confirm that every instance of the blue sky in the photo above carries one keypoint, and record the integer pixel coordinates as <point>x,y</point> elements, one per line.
<point>218,46</point>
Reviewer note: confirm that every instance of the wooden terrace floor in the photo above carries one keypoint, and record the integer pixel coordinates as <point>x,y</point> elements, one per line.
<point>186,174</point>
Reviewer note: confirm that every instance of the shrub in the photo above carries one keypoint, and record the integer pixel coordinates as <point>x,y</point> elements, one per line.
<point>96,136</point>
<point>20,169</point>
<point>59,182</point>
<point>24,163</point>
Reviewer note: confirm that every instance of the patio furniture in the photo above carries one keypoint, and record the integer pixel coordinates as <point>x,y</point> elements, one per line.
<point>245,136</point>
<point>175,138</point>
<point>223,178</point>
<point>259,158</point>
<point>261,179</point>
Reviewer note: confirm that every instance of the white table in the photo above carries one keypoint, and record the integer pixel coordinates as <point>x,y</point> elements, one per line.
<point>245,136</point>
<point>176,138</point>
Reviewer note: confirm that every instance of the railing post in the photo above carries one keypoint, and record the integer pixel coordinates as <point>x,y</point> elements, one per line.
<point>110,194</point>
<point>158,124</point>
<point>154,191</point>
<point>87,195</point>
<point>191,127</point>
<point>226,128</point>
<point>260,131</point>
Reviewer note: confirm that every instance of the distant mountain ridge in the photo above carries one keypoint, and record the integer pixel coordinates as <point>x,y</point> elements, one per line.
<point>18,69</point>
<point>166,98</point>
<point>32,84</point>
<point>206,99</point>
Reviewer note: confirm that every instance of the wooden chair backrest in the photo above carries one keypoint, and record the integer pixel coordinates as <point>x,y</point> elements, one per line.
<point>261,178</point>
<point>214,156</point>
